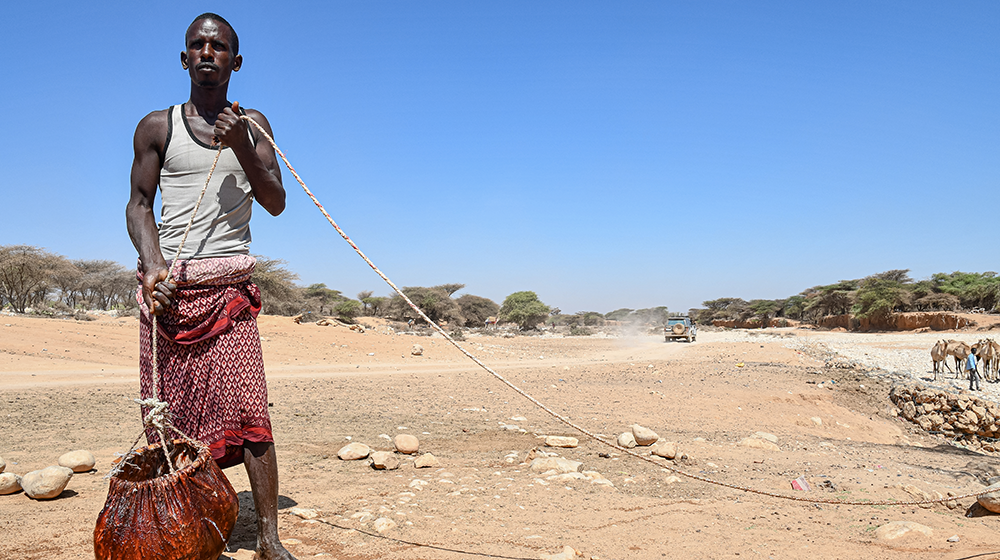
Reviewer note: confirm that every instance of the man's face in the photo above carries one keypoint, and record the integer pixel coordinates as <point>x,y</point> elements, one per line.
<point>208,57</point>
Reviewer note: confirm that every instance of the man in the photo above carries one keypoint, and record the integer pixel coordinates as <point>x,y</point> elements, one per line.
<point>210,367</point>
<point>973,370</point>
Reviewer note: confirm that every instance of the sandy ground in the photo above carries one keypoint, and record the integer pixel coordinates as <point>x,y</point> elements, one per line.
<point>68,385</point>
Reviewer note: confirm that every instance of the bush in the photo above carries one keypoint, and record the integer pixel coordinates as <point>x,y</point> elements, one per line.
<point>579,331</point>
<point>525,309</point>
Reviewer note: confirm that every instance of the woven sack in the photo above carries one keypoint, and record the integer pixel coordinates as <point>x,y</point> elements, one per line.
<point>151,514</point>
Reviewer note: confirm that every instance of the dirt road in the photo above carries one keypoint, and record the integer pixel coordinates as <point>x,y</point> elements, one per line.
<point>68,385</point>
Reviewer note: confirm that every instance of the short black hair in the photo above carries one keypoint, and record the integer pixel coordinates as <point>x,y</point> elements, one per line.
<point>234,39</point>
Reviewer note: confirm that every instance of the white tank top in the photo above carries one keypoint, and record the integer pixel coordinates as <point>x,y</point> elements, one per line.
<point>222,226</point>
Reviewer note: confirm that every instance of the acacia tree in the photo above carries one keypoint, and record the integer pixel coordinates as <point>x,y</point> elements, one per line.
<point>25,275</point>
<point>525,309</point>
<point>476,309</point>
<point>277,287</point>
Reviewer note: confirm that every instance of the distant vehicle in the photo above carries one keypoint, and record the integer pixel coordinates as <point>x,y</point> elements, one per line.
<point>680,328</point>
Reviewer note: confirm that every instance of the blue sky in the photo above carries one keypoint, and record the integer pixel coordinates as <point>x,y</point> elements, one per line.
<point>601,154</point>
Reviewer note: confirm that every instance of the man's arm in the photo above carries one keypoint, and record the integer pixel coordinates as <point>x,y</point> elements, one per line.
<point>259,163</point>
<point>148,146</point>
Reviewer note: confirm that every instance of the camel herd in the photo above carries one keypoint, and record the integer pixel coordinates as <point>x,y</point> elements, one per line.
<point>987,353</point>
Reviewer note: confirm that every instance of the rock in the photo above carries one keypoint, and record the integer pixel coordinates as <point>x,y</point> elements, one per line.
<point>991,501</point>
<point>354,451</point>
<point>895,529</point>
<point>757,443</point>
<point>406,443</point>
<point>667,450</point>
<point>561,441</point>
<point>558,464</point>
<point>568,553</point>
<point>385,460</point>
<point>817,420</point>
<point>417,350</point>
<point>953,538</point>
<point>46,483</point>
<point>383,524</point>
<point>304,513</point>
<point>9,483</point>
<point>426,460</point>
<point>764,435</point>
<point>644,436</point>
<point>626,440</point>
<point>78,461</point>
<point>3,464</point>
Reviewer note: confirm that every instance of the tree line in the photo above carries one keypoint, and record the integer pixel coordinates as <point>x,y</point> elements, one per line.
<point>875,296</point>
<point>36,280</point>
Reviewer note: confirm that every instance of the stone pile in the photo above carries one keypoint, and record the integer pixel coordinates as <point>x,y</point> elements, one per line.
<point>975,422</point>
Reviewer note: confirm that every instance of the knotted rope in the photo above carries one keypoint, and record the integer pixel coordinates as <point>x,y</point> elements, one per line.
<point>159,417</point>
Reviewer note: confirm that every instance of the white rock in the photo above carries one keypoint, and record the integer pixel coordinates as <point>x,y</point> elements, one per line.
<point>757,443</point>
<point>667,450</point>
<point>383,524</point>
<point>953,538</point>
<point>385,460</point>
<point>568,553</point>
<point>9,483</point>
<point>406,443</point>
<point>354,451</point>
<point>304,513</point>
<point>895,529</point>
<point>626,440</point>
<point>78,461</point>
<point>644,436</point>
<point>426,460</point>
<point>47,483</point>
<point>764,435</point>
<point>558,464</point>
<point>817,420</point>
<point>417,350</point>
<point>561,441</point>
<point>565,477</point>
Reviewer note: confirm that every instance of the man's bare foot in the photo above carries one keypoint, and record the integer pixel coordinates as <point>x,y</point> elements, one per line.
<point>273,552</point>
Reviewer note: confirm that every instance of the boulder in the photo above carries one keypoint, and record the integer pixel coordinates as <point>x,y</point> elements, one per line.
<point>991,501</point>
<point>78,461</point>
<point>561,441</point>
<point>425,461</point>
<point>417,350</point>
<point>626,440</point>
<point>47,483</point>
<point>643,436</point>
<point>559,464</point>
<point>9,483</point>
<point>385,461</point>
<point>667,450</point>
<point>383,524</point>
<point>895,529</point>
<point>406,443</point>
<point>354,451</point>
<point>757,443</point>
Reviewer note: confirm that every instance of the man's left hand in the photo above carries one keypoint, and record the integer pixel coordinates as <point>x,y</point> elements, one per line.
<point>230,129</point>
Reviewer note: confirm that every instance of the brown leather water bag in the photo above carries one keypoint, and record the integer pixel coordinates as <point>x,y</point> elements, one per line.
<point>151,514</point>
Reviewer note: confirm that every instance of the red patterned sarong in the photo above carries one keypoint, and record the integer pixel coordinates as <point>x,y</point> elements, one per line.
<point>210,364</point>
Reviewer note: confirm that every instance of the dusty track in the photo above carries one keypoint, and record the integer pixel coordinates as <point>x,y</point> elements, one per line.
<point>66,385</point>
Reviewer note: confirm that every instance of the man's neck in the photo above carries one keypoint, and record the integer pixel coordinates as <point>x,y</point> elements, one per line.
<point>208,103</point>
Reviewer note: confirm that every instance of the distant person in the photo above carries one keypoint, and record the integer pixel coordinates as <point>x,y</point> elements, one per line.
<point>210,365</point>
<point>971,367</point>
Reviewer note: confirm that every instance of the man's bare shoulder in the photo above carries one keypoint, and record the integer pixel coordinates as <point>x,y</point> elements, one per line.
<point>152,129</point>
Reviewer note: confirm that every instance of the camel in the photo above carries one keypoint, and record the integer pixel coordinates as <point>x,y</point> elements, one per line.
<point>988,353</point>
<point>939,355</point>
<point>960,351</point>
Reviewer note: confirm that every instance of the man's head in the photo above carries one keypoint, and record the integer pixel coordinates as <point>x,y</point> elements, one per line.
<point>211,50</point>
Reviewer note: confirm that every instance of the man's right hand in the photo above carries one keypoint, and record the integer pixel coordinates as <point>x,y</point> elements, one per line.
<point>158,293</point>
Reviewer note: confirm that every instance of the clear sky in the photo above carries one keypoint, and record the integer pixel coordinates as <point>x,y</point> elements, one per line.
<point>601,154</point>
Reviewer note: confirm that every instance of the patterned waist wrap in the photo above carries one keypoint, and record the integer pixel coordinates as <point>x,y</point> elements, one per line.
<point>208,348</point>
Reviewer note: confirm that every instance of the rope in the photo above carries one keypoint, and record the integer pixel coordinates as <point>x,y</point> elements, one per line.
<point>562,418</point>
<point>159,417</point>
